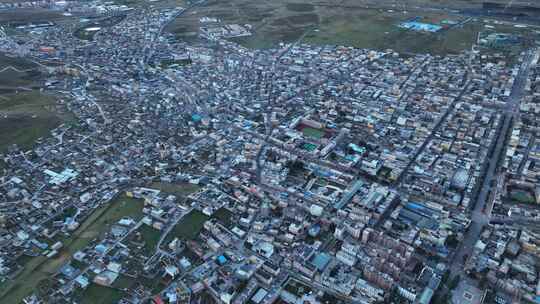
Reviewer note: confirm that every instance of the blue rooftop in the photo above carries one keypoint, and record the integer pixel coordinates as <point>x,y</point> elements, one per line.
<point>349,194</point>
<point>420,26</point>
<point>101,248</point>
<point>221,259</point>
<point>196,117</point>
<point>320,261</point>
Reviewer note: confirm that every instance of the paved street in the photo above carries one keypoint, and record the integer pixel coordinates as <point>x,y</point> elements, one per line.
<point>479,219</point>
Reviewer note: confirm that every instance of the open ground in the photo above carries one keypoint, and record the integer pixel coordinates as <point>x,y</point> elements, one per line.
<point>26,114</point>
<point>349,23</point>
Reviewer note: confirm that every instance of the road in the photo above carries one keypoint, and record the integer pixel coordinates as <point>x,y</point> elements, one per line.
<point>271,104</point>
<point>436,128</point>
<point>170,227</point>
<point>479,219</point>
<point>147,55</point>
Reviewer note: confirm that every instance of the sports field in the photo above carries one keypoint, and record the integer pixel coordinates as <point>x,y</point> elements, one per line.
<point>312,132</point>
<point>309,147</point>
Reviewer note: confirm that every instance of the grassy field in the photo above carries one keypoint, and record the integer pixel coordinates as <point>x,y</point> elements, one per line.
<point>378,30</point>
<point>350,23</point>
<point>25,113</point>
<point>188,227</point>
<point>27,116</point>
<point>101,294</point>
<point>315,133</point>
<point>375,29</point>
<point>27,77</point>
<point>26,15</point>
<point>40,268</point>
<point>123,282</point>
<point>180,190</point>
<point>151,238</point>
<point>154,4</point>
<point>224,216</point>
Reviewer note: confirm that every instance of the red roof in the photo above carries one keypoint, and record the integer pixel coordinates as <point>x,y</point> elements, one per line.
<point>158,300</point>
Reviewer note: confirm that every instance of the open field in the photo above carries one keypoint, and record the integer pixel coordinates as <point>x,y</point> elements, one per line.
<point>27,116</point>
<point>26,15</point>
<point>224,216</point>
<point>446,4</point>
<point>350,23</point>
<point>278,21</point>
<point>25,113</point>
<point>188,227</point>
<point>378,30</point>
<point>151,238</point>
<point>311,132</point>
<point>158,4</point>
<point>40,268</point>
<point>180,190</point>
<point>101,294</point>
<point>18,74</point>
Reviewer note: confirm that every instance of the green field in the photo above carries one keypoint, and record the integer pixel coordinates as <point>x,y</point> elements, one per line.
<point>39,268</point>
<point>522,197</point>
<point>27,116</point>
<point>100,294</point>
<point>311,132</point>
<point>366,24</point>
<point>224,216</point>
<point>376,29</point>
<point>19,78</point>
<point>188,227</point>
<point>123,282</point>
<point>17,72</point>
<point>16,16</point>
<point>25,113</point>
<point>363,28</point>
<point>151,238</point>
<point>180,190</point>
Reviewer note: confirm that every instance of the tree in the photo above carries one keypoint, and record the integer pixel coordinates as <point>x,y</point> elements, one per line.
<point>452,241</point>
<point>295,167</point>
<point>333,155</point>
<point>454,282</point>
<point>483,283</point>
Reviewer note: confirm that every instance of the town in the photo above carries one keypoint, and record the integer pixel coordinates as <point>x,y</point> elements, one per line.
<point>208,172</point>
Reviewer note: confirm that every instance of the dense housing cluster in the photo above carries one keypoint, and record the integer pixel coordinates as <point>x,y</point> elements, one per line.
<point>299,174</point>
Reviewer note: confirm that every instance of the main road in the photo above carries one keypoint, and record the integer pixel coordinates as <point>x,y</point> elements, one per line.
<point>479,219</point>
<point>434,130</point>
<point>271,104</point>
